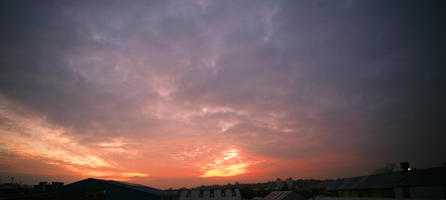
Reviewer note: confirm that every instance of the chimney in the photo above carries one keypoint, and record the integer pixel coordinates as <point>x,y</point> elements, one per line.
<point>405,166</point>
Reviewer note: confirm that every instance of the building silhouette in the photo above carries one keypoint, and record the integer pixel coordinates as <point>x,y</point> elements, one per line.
<point>289,183</point>
<point>211,194</point>
<point>407,184</point>
<point>278,184</point>
<point>113,190</point>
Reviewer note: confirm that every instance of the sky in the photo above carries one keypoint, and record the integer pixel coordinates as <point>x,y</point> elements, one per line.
<point>196,92</point>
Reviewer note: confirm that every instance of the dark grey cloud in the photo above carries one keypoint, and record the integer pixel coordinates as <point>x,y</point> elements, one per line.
<point>343,76</point>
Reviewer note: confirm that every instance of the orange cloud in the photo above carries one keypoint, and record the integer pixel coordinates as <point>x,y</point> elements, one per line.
<point>33,138</point>
<point>226,163</point>
<point>229,170</point>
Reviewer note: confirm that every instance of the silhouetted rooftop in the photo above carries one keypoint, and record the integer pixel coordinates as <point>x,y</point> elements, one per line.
<point>131,186</point>
<point>419,177</point>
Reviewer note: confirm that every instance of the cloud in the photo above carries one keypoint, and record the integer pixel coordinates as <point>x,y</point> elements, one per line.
<point>226,163</point>
<point>31,137</point>
<point>164,88</point>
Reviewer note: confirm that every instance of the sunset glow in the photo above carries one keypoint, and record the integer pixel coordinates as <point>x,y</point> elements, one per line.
<point>230,170</point>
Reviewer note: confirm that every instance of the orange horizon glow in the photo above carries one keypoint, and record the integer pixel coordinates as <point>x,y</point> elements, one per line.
<point>34,138</point>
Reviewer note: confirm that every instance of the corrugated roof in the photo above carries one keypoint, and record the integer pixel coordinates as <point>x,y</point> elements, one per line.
<point>277,195</point>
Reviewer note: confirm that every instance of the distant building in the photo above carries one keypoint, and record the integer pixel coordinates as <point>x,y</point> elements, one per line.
<point>111,190</point>
<point>11,190</point>
<point>408,184</point>
<point>278,184</point>
<point>217,194</point>
<point>284,195</point>
<point>9,186</point>
<point>289,183</point>
<point>45,186</point>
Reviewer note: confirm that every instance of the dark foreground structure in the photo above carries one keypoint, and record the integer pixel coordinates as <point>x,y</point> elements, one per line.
<point>103,189</point>
<point>114,190</point>
<point>409,184</point>
<point>211,194</point>
<point>283,195</point>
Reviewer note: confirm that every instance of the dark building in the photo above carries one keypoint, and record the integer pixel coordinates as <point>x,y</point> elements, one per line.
<point>412,183</point>
<point>45,186</point>
<point>211,194</point>
<point>113,190</point>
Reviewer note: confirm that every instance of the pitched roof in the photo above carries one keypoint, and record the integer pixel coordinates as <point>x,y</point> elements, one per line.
<point>131,186</point>
<point>431,176</point>
<point>367,182</point>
